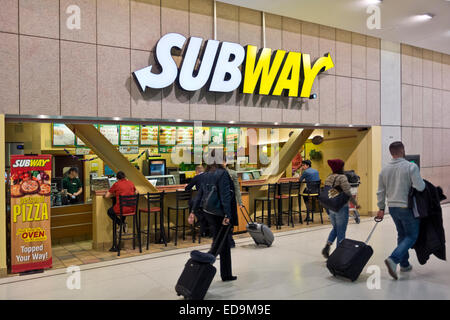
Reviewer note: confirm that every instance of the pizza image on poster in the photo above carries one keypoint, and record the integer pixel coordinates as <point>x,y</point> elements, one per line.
<point>30,213</point>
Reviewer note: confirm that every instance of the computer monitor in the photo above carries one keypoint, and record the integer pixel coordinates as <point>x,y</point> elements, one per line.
<point>109,171</point>
<point>246,176</point>
<point>157,167</point>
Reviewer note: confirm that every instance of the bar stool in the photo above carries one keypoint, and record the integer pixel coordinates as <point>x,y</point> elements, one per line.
<point>311,193</point>
<point>155,205</point>
<point>131,202</point>
<point>294,193</point>
<point>182,205</point>
<point>271,194</point>
<point>282,193</point>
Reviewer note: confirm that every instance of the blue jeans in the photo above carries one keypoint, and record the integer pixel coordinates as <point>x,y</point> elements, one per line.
<point>407,233</point>
<point>339,221</point>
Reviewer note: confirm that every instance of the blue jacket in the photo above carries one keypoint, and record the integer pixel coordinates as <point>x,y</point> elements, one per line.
<point>309,175</point>
<point>225,187</point>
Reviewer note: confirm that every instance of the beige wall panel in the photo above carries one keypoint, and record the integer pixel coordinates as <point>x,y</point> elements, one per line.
<point>327,99</point>
<point>327,44</point>
<point>202,105</point>
<point>343,100</point>
<point>113,22</point>
<point>292,115</point>
<point>446,72</point>
<point>145,24</point>
<point>407,139</point>
<point>417,71</point>
<point>175,17</point>
<point>175,103</point>
<point>78,79</point>
<point>437,147</point>
<point>250,114</point>
<point>310,109</point>
<point>373,103</point>
<point>427,157</point>
<point>310,40</point>
<point>227,22</point>
<point>250,27</point>
<point>437,70</point>
<point>417,138</point>
<point>9,16</point>
<point>437,108</point>
<point>407,105</point>
<point>271,115</point>
<point>407,63</point>
<point>39,18</point>
<point>359,101</point>
<point>445,151</point>
<point>39,76</point>
<point>373,58</point>
<point>147,105</point>
<point>201,20</point>
<point>427,107</point>
<point>9,70</point>
<point>227,113</point>
<point>417,106</point>
<point>273,32</point>
<point>427,67</point>
<point>343,61</point>
<point>446,110</point>
<point>88,21</point>
<point>359,55</point>
<point>291,35</point>
<point>114,80</point>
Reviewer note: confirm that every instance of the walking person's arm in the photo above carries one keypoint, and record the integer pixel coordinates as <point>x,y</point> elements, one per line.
<point>346,188</point>
<point>416,179</point>
<point>381,196</point>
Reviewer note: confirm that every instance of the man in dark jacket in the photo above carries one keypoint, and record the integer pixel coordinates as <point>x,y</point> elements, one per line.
<point>217,176</point>
<point>426,206</point>
<point>196,183</point>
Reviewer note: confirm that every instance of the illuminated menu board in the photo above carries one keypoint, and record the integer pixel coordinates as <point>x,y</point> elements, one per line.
<point>185,135</point>
<point>111,132</point>
<point>217,135</point>
<point>202,135</point>
<point>129,135</point>
<point>62,135</point>
<point>149,135</point>
<point>167,136</point>
<point>232,135</point>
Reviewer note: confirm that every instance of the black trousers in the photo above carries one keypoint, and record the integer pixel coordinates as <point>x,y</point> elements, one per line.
<point>215,223</point>
<point>114,216</point>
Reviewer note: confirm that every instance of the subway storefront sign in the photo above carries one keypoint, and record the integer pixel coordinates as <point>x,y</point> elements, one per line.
<point>30,213</point>
<point>263,71</point>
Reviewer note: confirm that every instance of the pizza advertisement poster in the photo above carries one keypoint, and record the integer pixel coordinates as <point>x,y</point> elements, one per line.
<point>30,212</point>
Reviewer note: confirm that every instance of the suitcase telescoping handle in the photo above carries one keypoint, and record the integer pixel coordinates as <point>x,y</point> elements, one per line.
<point>377,220</point>
<point>246,214</point>
<point>222,236</point>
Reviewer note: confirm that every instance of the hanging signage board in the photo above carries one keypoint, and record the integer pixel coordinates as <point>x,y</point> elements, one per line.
<point>202,135</point>
<point>149,135</point>
<point>62,136</point>
<point>185,135</point>
<point>129,135</point>
<point>111,132</point>
<point>129,150</point>
<point>217,134</point>
<point>167,136</point>
<point>30,212</point>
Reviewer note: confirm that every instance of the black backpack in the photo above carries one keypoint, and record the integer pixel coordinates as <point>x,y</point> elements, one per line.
<point>352,177</point>
<point>210,202</point>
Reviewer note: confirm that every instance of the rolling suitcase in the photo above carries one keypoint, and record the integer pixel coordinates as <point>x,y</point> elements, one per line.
<point>197,276</point>
<point>260,233</point>
<point>350,257</point>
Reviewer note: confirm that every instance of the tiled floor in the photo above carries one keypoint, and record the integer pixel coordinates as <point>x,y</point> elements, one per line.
<point>80,253</point>
<point>292,268</point>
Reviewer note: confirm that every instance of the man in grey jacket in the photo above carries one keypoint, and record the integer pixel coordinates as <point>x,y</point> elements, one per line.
<point>395,181</point>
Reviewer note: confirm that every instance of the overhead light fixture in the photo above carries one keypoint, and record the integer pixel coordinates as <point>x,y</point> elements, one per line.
<point>374,1</point>
<point>179,120</point>
<point>317,124</point>
<point>350,125</point>
<point>424,17</point>
<point>275,123</point>
<point>231,122</point>
<point>313,96</point>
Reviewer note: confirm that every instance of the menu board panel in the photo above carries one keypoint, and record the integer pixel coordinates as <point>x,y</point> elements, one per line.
<point>202,135</point>
<point>217,135</point>
<point>62,135</point>
<point>111,132</point>
<point>129,135</point>
<point>80,143</point>
<point>185,135</point>
<point>149,135</point>
<point>167,136</point>
<point>232,135</point>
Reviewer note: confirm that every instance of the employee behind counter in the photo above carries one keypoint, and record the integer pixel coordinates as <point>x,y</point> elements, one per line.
<point>73,185</point>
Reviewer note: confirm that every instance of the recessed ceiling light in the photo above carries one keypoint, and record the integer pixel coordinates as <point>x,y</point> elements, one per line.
<point>179,120</point>
<point>374,1</point>
<point>317,124</point>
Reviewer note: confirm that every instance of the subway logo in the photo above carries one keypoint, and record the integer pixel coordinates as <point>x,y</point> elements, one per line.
<point>34,163</point>
<point>226,66</point>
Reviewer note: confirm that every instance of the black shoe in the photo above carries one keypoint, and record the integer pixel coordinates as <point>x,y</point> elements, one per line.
<point>326,251</point>
<point>232,278</point>
<point>113,249</point>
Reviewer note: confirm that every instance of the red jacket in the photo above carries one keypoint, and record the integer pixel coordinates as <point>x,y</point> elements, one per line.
<point>122,187</point>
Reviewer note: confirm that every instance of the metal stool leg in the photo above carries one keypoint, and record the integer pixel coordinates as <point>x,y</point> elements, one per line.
<point>184,224</point>
<point>120,237</point>
<point>134,232</point>
<point>176,228</point>
<point>161,227</point>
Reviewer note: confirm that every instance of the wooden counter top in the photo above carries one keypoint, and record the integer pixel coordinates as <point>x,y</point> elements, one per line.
<point>166,189</point>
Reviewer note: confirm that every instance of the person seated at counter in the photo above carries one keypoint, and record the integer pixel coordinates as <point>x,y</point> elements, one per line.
<point>123,187</point>
<point>309,175</point>
<point>73,185</point>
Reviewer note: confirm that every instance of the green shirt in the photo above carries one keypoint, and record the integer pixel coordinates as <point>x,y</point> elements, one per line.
<point>72,185</point>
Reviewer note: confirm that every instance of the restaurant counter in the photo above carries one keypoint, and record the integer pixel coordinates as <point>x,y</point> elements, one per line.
<point>73,221</point>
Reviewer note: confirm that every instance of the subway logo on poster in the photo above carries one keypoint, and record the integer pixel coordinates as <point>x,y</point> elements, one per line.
<point>226,66</point>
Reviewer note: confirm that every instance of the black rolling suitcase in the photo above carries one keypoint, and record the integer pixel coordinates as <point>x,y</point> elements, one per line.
<point>260,233</point>
<point>350,257</point>
<point>197,276</point>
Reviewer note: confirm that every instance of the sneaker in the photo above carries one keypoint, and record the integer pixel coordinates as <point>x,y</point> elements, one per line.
<point>406,269</point>
<point>232,278</point>
<point>392,268</point>
<point>326,251</point>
